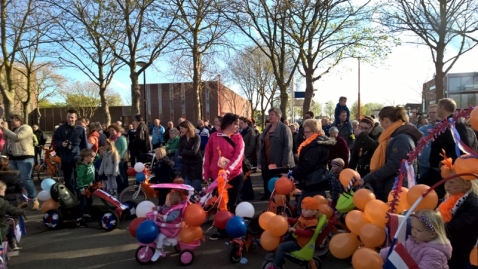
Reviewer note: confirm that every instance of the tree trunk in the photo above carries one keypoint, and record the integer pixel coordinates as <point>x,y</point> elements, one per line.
<point>25,106</point>
<point>197,85</point>
<point>309,90</point>
<point>105,108</point>
<point>135,94</point>
<point>8,105</point>
<point>38,115</point>
<point>284,99</point>
<point>439,74</point>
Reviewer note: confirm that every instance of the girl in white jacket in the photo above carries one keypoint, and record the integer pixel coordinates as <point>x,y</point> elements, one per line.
<point>110,167</point>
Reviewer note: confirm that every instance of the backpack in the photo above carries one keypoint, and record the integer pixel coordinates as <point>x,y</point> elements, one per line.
<point>35,140</point>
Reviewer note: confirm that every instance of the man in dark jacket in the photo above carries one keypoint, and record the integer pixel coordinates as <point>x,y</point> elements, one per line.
<point>41,138</point>
<point>250,150</point>
<point>444,141</point>
<point>69,140</point>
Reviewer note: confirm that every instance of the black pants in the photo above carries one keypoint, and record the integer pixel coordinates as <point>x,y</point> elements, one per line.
<point>69,175</point>
<point>133,157</point>
<point>431,177</point>
<point>83,202</point>
<point>234,193</point>
<point>247,190</point>
<point>38,153</point>
<point>266,176</point>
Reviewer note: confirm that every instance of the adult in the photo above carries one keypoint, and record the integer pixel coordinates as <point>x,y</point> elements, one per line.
<point>169,126</point>
<point>93,137</point>
<point>157,134</point>
<point>141,143</point>
<point>131,136</point>
<point>217,124</point>
<point>301,136</point>
<point>190,155</point>
<point>424,156</point>
<point>181,119</point>
<point>365,145</point>
<point>398,138</point>
<point>250,150</point>
<point>41,138</point>
<point>102,135</point>
<point>19,148</point>
<point>356,128</point>
<point>345,129</point>
<point>313,159</point>
<point>339,149</point>
<point>203,132</point>
<point>104,129</point>
<point>69,140</point>
<point>173,143</point>
<point>445,109</point>
<point>225,150</point>
<point>326,125</point>
<point>295,140</point>
<point>275,149</point>
<point>121,147</point>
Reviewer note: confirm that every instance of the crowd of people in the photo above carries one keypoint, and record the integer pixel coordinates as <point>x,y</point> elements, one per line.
<point>315,152</point>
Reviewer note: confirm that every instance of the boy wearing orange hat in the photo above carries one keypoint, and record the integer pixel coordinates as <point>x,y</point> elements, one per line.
<point>301,230</point>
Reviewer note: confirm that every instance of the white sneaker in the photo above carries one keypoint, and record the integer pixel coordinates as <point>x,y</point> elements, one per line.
<point>156,255</point>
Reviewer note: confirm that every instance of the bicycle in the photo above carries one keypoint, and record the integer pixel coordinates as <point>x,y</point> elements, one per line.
<point>139,191</point>
<point>51,164</point>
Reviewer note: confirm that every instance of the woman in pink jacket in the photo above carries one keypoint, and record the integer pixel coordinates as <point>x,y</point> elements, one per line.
<point>427,245</point>
<point>227,143</point>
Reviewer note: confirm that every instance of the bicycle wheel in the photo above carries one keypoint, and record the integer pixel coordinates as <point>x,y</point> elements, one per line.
<point>133,193</point>
<point>41,169</point>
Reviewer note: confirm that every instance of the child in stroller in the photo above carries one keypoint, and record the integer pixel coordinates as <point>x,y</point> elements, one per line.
<point>7,209</point>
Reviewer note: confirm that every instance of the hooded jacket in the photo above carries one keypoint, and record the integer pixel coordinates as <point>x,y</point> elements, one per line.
<point>401,142</point>
<point>427,255</point>
<point>235,155</point>
<point>14,185</point>
<point>109,165</point>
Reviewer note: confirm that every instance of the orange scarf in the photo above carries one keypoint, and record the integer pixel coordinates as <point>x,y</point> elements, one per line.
<point>446,206</point>
<point>379,156</point>
<point>308,141</point>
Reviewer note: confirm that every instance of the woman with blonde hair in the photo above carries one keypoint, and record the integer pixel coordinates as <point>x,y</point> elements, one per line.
<point>110,167</point>
<point>190,155</point>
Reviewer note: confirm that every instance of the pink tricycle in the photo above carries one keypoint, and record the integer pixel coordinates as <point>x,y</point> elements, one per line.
<point>145,252</point>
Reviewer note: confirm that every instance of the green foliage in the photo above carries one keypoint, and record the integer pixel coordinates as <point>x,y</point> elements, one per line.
<point>48,104</point>
<point>366,109</point>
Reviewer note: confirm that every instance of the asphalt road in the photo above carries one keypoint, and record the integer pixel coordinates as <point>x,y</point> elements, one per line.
<point>93,248</point>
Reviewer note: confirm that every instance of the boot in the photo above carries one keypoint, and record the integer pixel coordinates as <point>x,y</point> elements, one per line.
<point>23,204</point>
<point>35,205</point>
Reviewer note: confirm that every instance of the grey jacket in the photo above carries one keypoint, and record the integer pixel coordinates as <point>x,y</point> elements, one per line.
<point>281,147</point>
<point>109,166</point>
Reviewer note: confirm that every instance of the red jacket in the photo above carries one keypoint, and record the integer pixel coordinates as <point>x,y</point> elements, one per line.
<point>234,154</point>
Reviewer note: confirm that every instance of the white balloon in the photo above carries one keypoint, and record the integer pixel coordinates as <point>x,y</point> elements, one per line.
<point>245,210</point>
<point>139,167</point>
<point>143,208</point>
<point>44,195</point>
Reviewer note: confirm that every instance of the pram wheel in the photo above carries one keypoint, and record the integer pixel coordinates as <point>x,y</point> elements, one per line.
<point>323,248</point>
<point>52,219</point>
<point>267,264</point>
<point>109,220</point>
<point>131,212</point>
<point>186,257</point>
<point>144,254</point>
<point>235,254</point>
<point>317,262</point>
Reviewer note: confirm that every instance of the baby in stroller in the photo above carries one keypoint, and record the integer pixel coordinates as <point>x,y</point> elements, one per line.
<point>168,218</point>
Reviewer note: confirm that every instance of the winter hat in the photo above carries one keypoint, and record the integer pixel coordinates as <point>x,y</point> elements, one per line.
<point>338,162</point>
<point>310,203</point>
<point>368,120</point>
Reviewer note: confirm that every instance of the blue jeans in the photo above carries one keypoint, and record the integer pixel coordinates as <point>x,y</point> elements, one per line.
<point>283,248</point>
<point>26,168</point>
<point>196,184</point>
<point>306,193</point>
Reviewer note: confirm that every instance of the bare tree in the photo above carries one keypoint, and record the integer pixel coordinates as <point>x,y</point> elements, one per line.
<point>84,35</point>
<point>439,25</point>
<point>260,21</point>
<point>327,32</point>
<point>47,83</point>
<point>202,29</point>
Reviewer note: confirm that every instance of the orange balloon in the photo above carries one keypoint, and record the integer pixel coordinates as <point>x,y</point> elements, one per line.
<point>362,197</point>
<point>197,232</point>
<point>194,215</point>
<point>474,118</point>
<point>49,205</point>
<point>326,210</point>
<point>284,186</point>
<point>402,203</point>
<point>376,212</point>
<point>187,235</point>
<point>268,241</point>
<point>278,226</point>
<point>321,199</point>
<point>355,220</point>
<point>466,164</point>
<point>279,199</point>
<point>474,256</point>
<point>366,258</point>
<point>264,219</point>
<point>343,245</point>
<point>372,235</point>
<point>429,202</point>
<point>346,177</point>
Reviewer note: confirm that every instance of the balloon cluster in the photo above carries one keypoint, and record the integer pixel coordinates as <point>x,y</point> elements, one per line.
<point>235,226</point>
<point>274,227</point>
<point>139,169</point>
<point>146,230</point>
<point>45,196</point>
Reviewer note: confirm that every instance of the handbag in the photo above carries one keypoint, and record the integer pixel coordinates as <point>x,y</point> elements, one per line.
<point>316,177</point>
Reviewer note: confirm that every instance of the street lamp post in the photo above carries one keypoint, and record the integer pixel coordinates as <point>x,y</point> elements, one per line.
<point>143,64</point>
<point>358,101</point>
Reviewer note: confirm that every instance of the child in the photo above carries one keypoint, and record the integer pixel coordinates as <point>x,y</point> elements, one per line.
<point>110,167</point>
<point>169,213</point>
<point>302,231</point>
<point>336,187</point>
<point>460,213</point>
<point>341,105</point>
<point>85,175</point>
<point>7,209</point>
<point>428,244</point>
<point>12,180</point>
<point>163,171</point>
